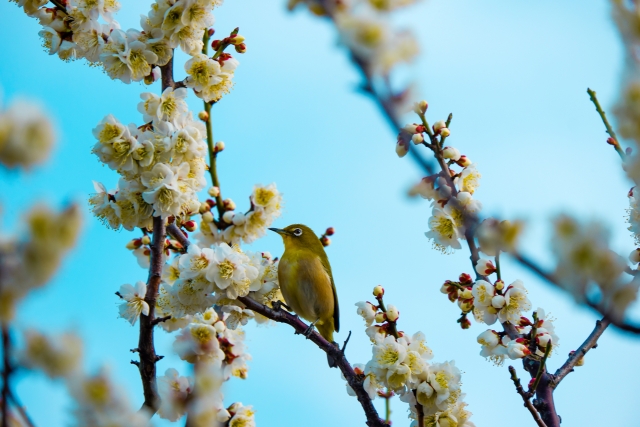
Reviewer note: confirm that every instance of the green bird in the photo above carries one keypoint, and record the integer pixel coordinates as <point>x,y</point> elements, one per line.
<point>306,282</point>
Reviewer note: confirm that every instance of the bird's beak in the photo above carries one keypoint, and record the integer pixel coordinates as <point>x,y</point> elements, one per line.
<point>280,231</point>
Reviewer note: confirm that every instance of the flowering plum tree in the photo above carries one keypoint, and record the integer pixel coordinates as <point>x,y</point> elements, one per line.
<point>203,286</point>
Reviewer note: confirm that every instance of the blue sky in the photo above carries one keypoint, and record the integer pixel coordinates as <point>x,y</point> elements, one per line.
<point>515,77</point>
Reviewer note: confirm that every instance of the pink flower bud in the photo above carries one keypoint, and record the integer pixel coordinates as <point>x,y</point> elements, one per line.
<point>190,225</point>
<point>463,161</point>
<point>465,279</point>
<point>485,267</point>
<point>330,231</point>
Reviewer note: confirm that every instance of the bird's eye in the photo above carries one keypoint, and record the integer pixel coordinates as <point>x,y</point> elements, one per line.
<point>297,232</point>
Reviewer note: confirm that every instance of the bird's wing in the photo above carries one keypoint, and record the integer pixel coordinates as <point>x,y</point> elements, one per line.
<point>336,308</point>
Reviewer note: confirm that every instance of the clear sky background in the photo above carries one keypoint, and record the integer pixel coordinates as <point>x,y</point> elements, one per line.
<point>514,74</point>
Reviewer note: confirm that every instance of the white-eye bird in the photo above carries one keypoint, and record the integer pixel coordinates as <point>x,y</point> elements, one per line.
<point>306,281</point>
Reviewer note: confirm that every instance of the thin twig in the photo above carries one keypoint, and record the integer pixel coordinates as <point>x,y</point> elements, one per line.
<point>541,367</point>
<point>614,141</point>
<point>588,344</point>
<point>178,235</point>
<point>525,398</point>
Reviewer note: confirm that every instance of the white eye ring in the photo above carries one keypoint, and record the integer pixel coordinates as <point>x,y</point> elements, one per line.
<point>297,232</point>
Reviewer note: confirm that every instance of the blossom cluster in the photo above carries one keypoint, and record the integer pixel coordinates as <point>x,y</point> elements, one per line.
<point>97,400</point>
<point>76,29</point>
<point>161,163</point>
<point>494,301</point>
<point>28,262</point>
<point>26,134</point>
<point>588,269</point>
<point>364,28</point>
<point>234,227</point>
<point>399,364</point>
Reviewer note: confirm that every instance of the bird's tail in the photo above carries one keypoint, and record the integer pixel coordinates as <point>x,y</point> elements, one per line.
<point>333,362</point>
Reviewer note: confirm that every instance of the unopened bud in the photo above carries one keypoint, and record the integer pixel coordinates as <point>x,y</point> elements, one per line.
<point>392,313</point>
<point>380,317</point>
<point>498,301</point>
<point>210,202</point>
<point>190,225</point>
<point>420,107</point>
<point>148,79</point>
<point>499,285</point>
<point>445,132</point>
<point>401,149</point>
<point>145,240</point>
<point>134,244</point>
<point>358,370</point>
<point>194,206</point>
<point>378,291</point>
<point>228,204</point>
<point>325,241</point>
<point>330,231</point>
<point>438,126</point>
<point>463,161</point>
<point>241,48</point>
<point>410,128</point>
<point>451,153</point>
<point>228,216</point>
<point>207,217</point>
<point>213,191</point>
<point>634,256</point>
<point>204,207</point>
<point>465,279</point>
<point>175,244</point>
<point>417,138</point>
<point>204,116</point>
<point>236,40</point>
<point>466,294</point>
<point>445,288</point>
<point>219,146</point>
<point>211,32</point>
<point>215,45</point>
<point>464,322</point>
<point>611,141</point>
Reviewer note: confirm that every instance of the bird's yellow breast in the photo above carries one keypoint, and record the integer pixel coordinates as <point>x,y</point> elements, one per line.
<point>306,286</point>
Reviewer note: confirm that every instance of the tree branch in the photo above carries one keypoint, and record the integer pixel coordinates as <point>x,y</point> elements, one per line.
<point>146,347</point>
<point>178,235</point>
<point>525,398</point>
<point>588,344</point>
<point>281,316</point>
<point>614,138</point>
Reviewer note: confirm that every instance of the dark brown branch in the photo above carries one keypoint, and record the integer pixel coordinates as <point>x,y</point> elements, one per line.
<point>543,402</point>
<point>167,74</point>
<point>177,234</point>
<point>6,373</point>
<point>588,344</point>
<point>525,398</point>
<point>146,348</point>
<point>282,316</point>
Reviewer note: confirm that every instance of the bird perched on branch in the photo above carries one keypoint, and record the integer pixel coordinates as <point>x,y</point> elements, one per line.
<point>306,281</point>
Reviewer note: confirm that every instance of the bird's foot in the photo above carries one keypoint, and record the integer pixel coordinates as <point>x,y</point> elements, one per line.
<point>277,305</point>
<point>310,329</point>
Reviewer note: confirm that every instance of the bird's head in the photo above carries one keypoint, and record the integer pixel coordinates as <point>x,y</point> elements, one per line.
<point>298,236</point>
